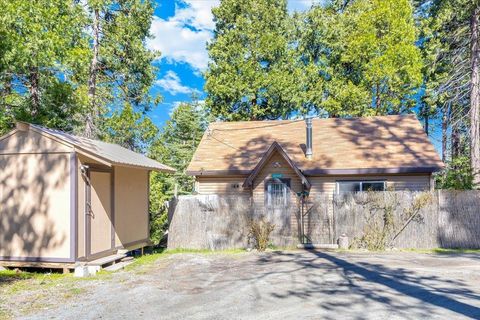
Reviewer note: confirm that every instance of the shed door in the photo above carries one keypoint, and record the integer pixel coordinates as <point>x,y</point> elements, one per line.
<point>99,213</point>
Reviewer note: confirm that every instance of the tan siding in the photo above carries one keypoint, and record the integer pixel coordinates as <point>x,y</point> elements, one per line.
<point>82,160</point>
<point>276,164</point>
<point>131,205</point>
<point>327,184</point>
<point>35,205</point>
<point>31,142</point>
<point>101,217</point>
<point>221,185</point>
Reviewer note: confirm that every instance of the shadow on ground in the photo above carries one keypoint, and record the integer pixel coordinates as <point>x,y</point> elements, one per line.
<point>365,282</point>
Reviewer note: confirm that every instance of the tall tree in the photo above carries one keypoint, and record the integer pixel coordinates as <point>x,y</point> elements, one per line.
<point>39,40</point>
<point>250,75</point>
<point>120,71</point>
<point>451,42</point>
<point>130,129</point>
<point>378,56</point>
<point>175,147</point>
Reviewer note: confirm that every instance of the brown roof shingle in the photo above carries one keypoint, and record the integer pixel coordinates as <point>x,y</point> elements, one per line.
<point>380,143</point>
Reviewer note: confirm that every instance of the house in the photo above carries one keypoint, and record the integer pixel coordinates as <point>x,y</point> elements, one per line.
<point>278,163</point>
<point>67,199</point>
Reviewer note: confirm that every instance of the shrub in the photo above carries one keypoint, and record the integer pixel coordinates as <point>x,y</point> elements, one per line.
<point>260,231</point>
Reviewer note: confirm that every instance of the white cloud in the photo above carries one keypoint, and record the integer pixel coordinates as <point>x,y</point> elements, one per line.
<point>183,37</point>
<point>171,83</point>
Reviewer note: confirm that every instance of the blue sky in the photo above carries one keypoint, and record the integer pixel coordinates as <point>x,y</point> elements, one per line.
<point>181,29</point>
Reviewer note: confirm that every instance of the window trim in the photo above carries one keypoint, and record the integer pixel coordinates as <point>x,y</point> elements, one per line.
<point>286,181</point>
<point>337,186</point>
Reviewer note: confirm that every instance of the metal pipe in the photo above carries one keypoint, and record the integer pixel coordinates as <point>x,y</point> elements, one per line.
<point>309,151</point>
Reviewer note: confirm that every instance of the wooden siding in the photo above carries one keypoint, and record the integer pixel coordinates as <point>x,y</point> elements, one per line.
<point>221,185</point>
<point>327,184</point>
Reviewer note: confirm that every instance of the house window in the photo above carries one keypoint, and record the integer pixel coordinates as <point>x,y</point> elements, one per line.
<point>359,186</point>
<point>277,192</point>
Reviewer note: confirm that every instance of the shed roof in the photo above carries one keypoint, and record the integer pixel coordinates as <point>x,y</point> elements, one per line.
<point>381,144</point>
<point>110,153</point>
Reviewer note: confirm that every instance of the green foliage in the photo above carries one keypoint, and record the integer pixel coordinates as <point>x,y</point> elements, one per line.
<point>130,129</point>
<point>251,74</point>
<point>39,39</point>
<point>174,147</point>
<point>354,59</point>
<point>456,176</point>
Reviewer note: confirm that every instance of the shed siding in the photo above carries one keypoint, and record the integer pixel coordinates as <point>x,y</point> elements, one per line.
<point>131,206</point>
<point>35,198</point>
<point>81,190</point>
<point>30,142</point>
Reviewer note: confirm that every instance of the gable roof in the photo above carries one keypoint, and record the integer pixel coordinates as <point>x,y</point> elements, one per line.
<point>275,147</point>
<point>381,144</point>
<point>108,153</point>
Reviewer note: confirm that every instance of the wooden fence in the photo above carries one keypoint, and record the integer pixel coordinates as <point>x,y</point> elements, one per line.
<point>446,219</point>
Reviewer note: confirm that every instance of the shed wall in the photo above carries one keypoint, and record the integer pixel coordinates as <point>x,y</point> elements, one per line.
<point>131,206</point>
<point>35,197</point>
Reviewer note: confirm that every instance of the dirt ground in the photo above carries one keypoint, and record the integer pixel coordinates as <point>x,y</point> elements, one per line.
<point>283,285</point>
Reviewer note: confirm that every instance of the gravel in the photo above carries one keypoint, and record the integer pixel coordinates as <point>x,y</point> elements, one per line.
<point>285,285</point>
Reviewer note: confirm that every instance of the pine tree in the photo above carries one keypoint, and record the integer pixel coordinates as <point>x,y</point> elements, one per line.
<point>251,74</point>
<point>175,147</point>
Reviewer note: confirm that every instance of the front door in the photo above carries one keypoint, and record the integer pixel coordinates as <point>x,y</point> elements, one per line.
<point>99,213</point>
<point>278,205</point>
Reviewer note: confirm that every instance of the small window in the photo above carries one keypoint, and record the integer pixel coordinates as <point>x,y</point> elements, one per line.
<point>359,186</point>
<point>277,192</point>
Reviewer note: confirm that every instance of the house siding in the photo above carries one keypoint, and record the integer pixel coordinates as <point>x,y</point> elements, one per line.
<point>221,185</point>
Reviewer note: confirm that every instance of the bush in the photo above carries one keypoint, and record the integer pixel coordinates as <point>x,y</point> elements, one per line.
<point>260,231</point>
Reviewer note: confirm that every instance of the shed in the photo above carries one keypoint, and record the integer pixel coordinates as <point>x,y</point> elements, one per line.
<point>68,199</point>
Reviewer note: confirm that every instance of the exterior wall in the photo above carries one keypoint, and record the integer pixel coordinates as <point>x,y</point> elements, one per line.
<point>413,182</point>
<point>221,185</point>
<point>131,207</point>
<point>278,165</point>
<point>35,197</point>
<point>81,193</point>
<point>30,142</point>
<point>101,236</point>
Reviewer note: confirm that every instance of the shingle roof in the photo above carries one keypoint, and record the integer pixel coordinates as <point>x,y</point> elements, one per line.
<point>382,144</point>
<point>112,153</point>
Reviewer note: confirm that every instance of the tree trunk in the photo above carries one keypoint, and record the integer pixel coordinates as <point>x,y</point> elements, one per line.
<point>90,125</point>
<point>7,90</point>
<point>34,90</point>
<point>444,133</point>
<point>475,99</point>
<point>455,141</point>
<point>377,100</point>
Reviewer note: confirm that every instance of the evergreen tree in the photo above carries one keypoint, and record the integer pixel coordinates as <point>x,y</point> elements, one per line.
<point>451,36</point>
<point>120,70</point>
<point>365,55</point>
<point>251,74</point>
<point>39,41</point>
<point>175,147</point>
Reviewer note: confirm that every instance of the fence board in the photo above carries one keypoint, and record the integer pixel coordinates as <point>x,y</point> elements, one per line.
<point>449,219</point>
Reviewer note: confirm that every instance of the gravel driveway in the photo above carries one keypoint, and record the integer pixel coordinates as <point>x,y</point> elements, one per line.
<point>286,285</point>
